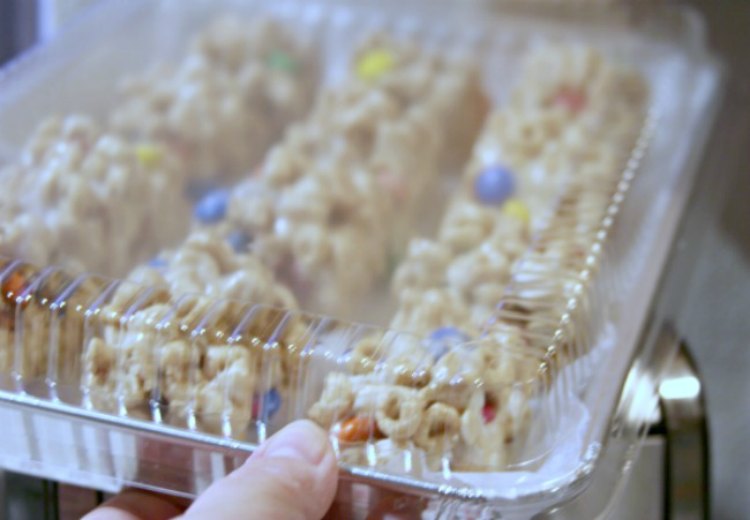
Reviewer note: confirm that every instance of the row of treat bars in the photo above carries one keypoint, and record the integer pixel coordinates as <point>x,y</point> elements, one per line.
<point>531,200</point>
<point>179,130</point>
<point>317,216</point>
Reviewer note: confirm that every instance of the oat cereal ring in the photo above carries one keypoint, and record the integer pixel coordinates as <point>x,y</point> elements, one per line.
<point>399,412</point>
<point>367,397</point>
<point>408,370</point>
<point>335,402</point>
<point>364,356</point>
<point>455,376</point>
<point>439,429</point>
<point>407,362</point>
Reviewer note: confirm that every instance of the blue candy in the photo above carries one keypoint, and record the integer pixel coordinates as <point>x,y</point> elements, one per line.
<point>443,339</point>
<point>271,404</point>
<point>494,185</point>
<point>212,207</point>
<point>239,240</point>
<point>157,263</point>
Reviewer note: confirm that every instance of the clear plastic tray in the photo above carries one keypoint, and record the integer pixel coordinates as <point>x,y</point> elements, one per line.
<point>108,383</point>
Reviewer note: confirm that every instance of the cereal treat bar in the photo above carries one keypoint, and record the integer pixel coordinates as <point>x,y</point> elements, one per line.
<point>81,197</point>
<point>461,397</point>
<point>41,323</point>
<point>189,350</point>
<point>325,209</point>
<point>240,84</point>
<point>535,160</point>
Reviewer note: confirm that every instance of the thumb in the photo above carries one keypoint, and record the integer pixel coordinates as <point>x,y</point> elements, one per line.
<point>292,476</point>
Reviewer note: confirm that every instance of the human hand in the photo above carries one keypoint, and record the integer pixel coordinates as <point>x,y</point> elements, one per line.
<point>293,475</point>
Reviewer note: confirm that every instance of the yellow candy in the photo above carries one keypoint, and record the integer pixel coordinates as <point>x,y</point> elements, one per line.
<point>374,64</point>
<point>517,209</point>
<point>148,155</point>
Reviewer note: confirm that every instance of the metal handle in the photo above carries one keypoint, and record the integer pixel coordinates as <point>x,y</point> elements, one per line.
<point>683,411</point>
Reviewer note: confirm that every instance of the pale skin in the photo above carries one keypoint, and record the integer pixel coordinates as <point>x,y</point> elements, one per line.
<point>292,476</point>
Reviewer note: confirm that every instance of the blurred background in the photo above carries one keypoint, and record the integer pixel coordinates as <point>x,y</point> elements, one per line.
<point>715,317</point>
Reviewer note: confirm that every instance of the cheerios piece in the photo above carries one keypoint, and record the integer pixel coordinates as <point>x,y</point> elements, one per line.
<point>399,412</point>
<point>439,429</point>
<point>335,402</point>
<point>362,358</point>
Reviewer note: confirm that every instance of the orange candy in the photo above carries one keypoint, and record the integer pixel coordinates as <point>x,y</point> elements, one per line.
<point>356,429</point>
<point>13,286</point>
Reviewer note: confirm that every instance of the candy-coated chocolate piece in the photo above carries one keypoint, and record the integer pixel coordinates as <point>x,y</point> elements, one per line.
<point>489,413</point>
<point>494,185</point>
<point>270,404</point>
<point>374,64</point>
<point>355,429</point>
<point>451,334</point>
<point>443,339</point>
<point>239,240</point>
<point>517,209</point>
<point>13,286</point>
<point>157,262</point>
<point>571,98</point>
<point>280,60</point>
<point>212,207</point>
<point>148,155</point>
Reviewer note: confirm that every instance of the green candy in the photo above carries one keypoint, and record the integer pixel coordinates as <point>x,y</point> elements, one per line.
<point>279,60</point>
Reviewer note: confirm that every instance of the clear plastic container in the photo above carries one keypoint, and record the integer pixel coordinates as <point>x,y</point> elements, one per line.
<point>437,232</point>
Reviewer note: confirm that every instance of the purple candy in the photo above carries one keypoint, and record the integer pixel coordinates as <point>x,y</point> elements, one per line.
<point>270,402</point>
<point>157,263</point>
<point>443,339</point>
<point>239,240</point>
<point>494,185</point>
<point>212,207</point>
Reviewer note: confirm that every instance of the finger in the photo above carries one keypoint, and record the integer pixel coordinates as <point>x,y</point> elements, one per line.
<point>134,504</point>
<point>292,476</point>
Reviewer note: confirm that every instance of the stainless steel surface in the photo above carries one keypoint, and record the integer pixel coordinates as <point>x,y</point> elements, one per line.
<point>644,494</point>
<point>683,411</point>
<point>713,314</point>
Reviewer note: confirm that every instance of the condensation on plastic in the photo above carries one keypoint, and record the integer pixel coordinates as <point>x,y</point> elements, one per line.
<point>62,425</point>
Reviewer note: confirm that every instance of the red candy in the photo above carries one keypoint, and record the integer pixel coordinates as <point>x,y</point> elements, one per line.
<point>488,413</point>
<point>571,98</point>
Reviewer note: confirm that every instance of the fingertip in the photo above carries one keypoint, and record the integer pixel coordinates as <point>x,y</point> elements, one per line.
<point>302,440</point>
<point>293,475</point>
<point>134,504</point>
